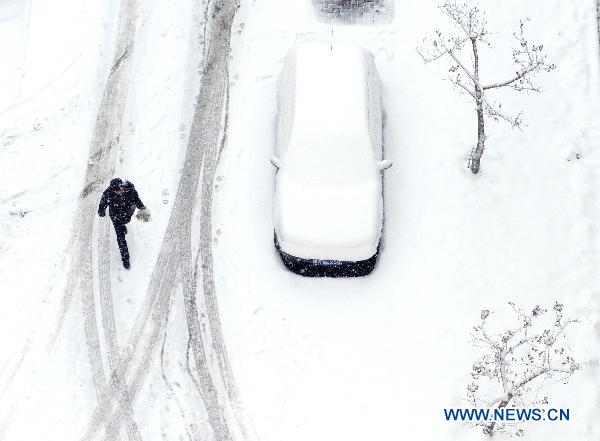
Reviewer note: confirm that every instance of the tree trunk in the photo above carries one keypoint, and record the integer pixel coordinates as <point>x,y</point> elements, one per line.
<point>475,159</point>
<point>489,429</point>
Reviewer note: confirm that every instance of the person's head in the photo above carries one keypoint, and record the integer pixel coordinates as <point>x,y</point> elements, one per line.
<point>116,185</point>
<point>127,186</point>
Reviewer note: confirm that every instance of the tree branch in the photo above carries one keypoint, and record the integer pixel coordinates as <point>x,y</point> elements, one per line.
<point>496,113</point>
<point>530,60</point>
<point>457,82</point>
<point>511,81</point>
<point>462,66</point>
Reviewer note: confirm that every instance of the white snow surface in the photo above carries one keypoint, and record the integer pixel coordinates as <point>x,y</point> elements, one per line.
<point>328,197</point>
<point>378,357</point>
<point>50,93</point>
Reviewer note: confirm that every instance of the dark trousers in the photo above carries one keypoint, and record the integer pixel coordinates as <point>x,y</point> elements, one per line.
<point>121,231</point>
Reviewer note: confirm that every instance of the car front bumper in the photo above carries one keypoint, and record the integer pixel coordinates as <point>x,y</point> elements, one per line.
<point>327,268</point>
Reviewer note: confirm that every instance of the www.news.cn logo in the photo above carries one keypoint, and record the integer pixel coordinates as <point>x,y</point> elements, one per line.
<point>507,414</point>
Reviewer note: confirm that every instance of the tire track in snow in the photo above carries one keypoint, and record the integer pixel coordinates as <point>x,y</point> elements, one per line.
<point>110,329</point>
<point>105,140</point>
<point>204,137</point>
<point>219,44</point>
<point>208,283</point>
<point>156,306</point>
<point>210,120</point>
<point>210,162</point>
<point>205,382</point>
<point>190,428</point>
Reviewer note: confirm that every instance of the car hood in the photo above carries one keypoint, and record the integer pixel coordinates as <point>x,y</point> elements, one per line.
<point>329,222</point>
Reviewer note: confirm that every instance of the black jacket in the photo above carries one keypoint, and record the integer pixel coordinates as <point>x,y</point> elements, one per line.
<point>120,206</point>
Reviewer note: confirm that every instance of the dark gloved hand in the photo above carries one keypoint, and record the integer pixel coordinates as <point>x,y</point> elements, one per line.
<point>101,213</point>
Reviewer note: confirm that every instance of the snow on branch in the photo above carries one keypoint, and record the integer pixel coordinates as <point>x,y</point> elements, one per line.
<point>517,361</point>
<point>494,111</point>
<point>530,59</point>
<point>461,47</point>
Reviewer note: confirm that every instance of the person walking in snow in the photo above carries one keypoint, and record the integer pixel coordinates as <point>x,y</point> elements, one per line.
<point>122,199</point>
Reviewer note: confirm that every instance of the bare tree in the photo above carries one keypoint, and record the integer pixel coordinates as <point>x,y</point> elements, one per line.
<point>470,30</point>
<point>515,364</point>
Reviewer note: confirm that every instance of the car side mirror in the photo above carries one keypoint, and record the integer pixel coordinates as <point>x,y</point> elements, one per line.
<point>275,161</point>
<point>384,165</point>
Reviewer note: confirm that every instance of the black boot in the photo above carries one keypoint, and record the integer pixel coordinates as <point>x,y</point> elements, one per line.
<point>126,264</point>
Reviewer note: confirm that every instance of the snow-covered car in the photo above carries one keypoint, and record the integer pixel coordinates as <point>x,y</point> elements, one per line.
<point>328,205</point>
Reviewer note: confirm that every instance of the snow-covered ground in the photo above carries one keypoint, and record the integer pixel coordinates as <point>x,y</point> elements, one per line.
<point>50,85</point>
<point>380,357</point>
<point>319,359</point>
<point>50,100</point>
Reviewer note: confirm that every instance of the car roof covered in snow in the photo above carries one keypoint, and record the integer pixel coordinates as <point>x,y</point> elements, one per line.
<point>329,138</point>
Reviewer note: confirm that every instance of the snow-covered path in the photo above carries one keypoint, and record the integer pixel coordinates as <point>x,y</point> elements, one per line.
<point>175,257</point>
<point>100,301</point>
<point>101,168</point>
<point>176,251</point>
